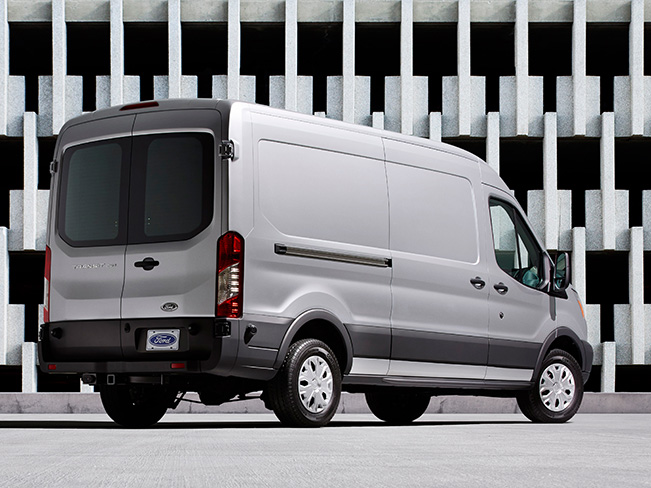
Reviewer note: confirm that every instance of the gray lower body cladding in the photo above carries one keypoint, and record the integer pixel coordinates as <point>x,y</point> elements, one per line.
<point>229,348</point>
<point>205,345</point>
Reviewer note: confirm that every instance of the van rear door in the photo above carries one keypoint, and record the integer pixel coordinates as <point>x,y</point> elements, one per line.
<point>174,220</point>
<point>89,230</point>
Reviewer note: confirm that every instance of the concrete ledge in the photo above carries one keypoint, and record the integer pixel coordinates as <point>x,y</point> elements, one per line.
<point>350,403</point>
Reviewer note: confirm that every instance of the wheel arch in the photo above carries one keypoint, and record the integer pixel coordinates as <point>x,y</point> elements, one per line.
<point>322,325</point>
<point>566,339</point>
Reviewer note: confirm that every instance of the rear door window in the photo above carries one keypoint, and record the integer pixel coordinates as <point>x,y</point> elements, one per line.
<point>93,202</point>
<point>151,188</point>
<point>172,187</point>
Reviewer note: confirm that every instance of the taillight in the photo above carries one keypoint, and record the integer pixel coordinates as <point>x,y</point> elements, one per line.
<point>46,285</point>
<point>230,275</point>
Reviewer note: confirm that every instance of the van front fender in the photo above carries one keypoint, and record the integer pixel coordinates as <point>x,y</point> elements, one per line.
<point>568,336</point>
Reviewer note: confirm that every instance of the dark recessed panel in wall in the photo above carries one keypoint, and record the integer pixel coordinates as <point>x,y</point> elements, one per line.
<point>11,379</point>
<point>26,279</point>
<point>607,284</point>
<point>632,165</point>
<point>550,55</point>
<point>45,156</point>
<point>475,146</point>
<point>263,55</point>
<point>11,155</point>
<point>579,170</point>
<point>594,382</point>
<point>204,48</point>
<point>320,55</point>
<point>607,56</point>
<point>492,55</point>
<point>377,54</point>
<point>633,378</point>
<point>435,56</point>
<point>145,54</point>
<point>30,55</point>
<point>89,55</point>
<point>521,166</point>
<point>647,277</point>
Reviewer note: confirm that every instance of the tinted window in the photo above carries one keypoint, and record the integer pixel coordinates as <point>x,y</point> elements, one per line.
<point>173,190</point>
<point>92,181</point>
<point>171,187</point>
<point>162,183</point>
<point>516,251</point>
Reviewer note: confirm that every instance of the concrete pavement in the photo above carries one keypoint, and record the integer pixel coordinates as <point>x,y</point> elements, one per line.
<point>253,450</point>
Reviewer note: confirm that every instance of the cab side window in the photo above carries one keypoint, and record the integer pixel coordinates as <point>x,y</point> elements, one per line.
<point>516,250</point>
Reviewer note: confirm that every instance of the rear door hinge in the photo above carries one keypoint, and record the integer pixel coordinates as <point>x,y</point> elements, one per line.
<point>227,150</point>
<point>222,328</point>
<point>53,167</point>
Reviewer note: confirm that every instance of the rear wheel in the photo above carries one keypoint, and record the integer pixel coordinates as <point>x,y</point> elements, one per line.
<point>558,390</point>
<point>135,406</point>
<point>397,407</point>
<point>307,388</point>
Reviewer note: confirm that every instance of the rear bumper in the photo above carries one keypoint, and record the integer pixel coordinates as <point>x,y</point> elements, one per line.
<point>120,346</point>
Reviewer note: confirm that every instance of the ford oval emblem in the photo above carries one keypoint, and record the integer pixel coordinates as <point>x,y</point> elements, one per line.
<point>162,339</point>
<point>169,307</point>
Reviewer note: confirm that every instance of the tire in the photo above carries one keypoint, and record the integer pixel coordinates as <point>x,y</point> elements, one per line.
<point>306,390</point>
<point>135,407</point>
<point>397,407</point>
<point>557,392</point>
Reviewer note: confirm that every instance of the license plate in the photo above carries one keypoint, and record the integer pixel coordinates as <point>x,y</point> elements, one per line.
<point>163,340</point>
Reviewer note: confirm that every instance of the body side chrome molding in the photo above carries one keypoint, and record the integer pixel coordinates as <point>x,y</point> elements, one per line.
<point>339,257</point>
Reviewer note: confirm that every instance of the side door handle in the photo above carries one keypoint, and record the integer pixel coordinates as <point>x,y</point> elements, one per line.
<point>147,264</point>
<point>501,288</point>
<point>478,283</point>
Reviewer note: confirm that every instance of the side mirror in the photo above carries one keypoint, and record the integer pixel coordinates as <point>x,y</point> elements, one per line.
<point>561,275</point>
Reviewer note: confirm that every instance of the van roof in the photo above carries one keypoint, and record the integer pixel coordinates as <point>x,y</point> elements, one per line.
<point>226,105</point>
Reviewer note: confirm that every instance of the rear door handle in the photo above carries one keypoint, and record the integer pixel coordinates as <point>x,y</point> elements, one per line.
<point>478,283</point>
<point>147,264</point>
<point>501,288</point>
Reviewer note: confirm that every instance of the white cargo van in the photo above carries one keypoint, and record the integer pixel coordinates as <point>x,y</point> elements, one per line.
<point>227,248</point>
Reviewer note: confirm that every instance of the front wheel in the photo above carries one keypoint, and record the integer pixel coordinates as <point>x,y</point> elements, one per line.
<point>397,407</point>
<point>557,392</point>
<point>135,406</point>
<point>307,387</point>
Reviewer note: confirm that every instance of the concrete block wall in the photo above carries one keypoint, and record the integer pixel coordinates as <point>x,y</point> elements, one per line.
<point>463,116</point>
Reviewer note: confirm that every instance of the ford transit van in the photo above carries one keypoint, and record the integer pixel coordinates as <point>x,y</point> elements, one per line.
<point>228,248</point>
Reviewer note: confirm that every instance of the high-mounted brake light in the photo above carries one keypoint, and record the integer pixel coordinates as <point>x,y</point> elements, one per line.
<point>230,275</point>
<point>46,285</point>
<point>134,106</point>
